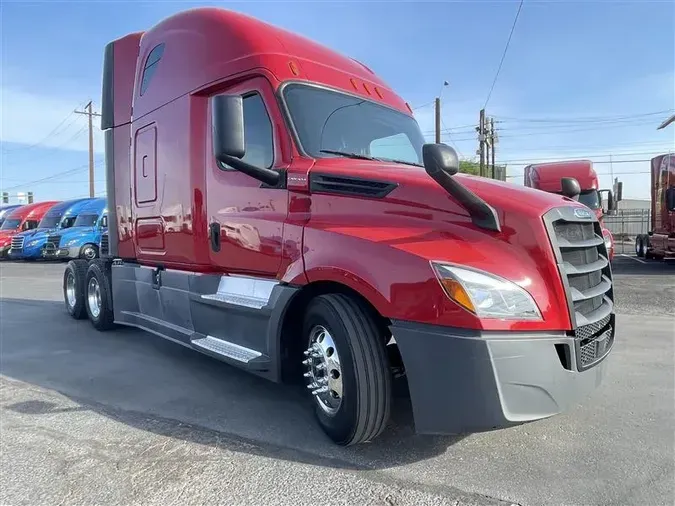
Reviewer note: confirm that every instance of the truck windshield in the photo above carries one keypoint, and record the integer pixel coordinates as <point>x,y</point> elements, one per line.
<point>327,120</point>
<point>590,198</point>
<point>86,220</point>
<point>50,221</point>
<point>68,222</point>
<point>11,224</point>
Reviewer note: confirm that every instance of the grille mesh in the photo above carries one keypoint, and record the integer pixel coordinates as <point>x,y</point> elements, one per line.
<point>583,262</point>
<point>54,240</point>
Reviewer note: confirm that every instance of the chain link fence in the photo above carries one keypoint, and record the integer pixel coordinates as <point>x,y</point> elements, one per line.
<point>625,225</point>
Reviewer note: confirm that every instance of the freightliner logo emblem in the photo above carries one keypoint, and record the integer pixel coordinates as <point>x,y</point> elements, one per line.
<point>582,213</point>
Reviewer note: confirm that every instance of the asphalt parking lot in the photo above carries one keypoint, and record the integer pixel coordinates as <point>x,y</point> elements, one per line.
<point>128,418</point>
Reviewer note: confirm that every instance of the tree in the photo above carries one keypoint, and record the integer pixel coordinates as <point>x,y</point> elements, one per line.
<point>470,167</point>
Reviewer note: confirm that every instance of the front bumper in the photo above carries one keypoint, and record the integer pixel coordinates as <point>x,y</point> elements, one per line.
<point>464,381</point>
<point>56,253</point>
<point>4,251</point>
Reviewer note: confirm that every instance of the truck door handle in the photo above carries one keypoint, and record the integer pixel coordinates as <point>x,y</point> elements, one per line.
<point>214,235</point>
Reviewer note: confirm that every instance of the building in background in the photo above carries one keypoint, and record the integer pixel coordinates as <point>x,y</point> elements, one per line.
<point>17,198</point>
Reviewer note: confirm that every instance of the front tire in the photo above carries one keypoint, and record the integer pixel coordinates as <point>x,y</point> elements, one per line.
<point>98,296</point>
<point>347,369</point>
<point>89,252</point>
<point>73,288</point>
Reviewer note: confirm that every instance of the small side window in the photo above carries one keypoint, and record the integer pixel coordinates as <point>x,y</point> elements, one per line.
<point>258,133</point>
<point>151,66</point>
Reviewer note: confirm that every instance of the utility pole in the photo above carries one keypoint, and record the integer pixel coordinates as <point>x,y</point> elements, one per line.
<point>90,113</point>
<point>493,143</point>
<point>481,139</point>
<point>438,120</point>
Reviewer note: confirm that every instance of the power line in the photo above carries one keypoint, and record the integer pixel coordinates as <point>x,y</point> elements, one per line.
<point>583,119</point>
<point>49,178</point>
<point>503,162</point>
<point>506,48</point>
<point>606,173</point>
<point>50,134</point>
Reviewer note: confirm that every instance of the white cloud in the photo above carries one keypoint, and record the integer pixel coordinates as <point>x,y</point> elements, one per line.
<point>29,119</point>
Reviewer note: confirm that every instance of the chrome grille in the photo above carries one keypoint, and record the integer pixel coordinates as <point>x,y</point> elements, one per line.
<point>53,241</point>
<point>587,276</point>
<point>17,242</point>
<point>105,244</point>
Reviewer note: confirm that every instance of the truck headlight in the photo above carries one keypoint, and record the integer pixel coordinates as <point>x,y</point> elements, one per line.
<point>484,294</point>
<point>608,241</point>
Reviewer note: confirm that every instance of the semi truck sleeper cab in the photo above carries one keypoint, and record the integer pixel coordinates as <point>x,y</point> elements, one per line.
<point>273,204</point>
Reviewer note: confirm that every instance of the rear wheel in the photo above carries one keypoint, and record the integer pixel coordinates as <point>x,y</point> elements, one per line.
<point>99,296</point>
<point>346,369</point>
<point>73,288</point>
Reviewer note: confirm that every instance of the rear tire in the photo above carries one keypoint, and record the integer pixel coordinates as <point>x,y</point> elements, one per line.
<point>640,246</point>
<point>98,296</point>
<point>73,288</point>
<point>361,410</point>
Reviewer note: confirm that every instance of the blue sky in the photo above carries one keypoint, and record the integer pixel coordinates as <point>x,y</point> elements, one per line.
<point>580,79</point>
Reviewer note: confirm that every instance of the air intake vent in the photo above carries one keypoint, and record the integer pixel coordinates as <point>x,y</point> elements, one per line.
<point>104,247</point>
<point>353,186</point>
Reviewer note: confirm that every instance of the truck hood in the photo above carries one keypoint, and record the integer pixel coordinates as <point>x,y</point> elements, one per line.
<point>76,233</point>
<point>6,236</point>
<point>419,190</point>
<point>36,233</point>
<point>418,217</point>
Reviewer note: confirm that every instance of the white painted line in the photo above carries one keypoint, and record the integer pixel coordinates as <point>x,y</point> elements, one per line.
<point>633,258</point>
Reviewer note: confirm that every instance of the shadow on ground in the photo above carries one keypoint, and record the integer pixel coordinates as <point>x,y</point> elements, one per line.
<point>155,385</point>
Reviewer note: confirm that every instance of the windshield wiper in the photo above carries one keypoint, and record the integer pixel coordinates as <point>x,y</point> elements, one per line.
<point>404,162</point>
<point>349,155</point>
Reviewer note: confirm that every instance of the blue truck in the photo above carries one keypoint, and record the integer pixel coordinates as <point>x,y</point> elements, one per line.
<point>83,238</point>
<point>5,210</point>
<point>29,245</point>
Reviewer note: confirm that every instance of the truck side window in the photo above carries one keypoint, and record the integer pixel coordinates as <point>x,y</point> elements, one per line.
<point>258,136</point>
<point>30,224</point>
<point>151,65</point>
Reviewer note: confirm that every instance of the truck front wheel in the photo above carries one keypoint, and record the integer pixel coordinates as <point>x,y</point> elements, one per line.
<point>346,369</point>
<point>89,252</point>
<point>73,288</point>
<point>98,296</point>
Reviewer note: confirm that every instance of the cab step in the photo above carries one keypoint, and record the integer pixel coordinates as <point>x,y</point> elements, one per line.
<point>232,351</point>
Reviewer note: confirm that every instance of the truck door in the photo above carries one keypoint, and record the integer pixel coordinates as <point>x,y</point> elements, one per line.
<point>245,218</point>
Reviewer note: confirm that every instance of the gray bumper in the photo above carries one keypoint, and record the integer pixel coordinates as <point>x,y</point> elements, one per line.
<point>463,381</point>
<point>69,253</point>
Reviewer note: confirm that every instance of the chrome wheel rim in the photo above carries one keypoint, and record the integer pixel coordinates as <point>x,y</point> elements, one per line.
<point>94,297</point>
<point>322,364</point>
<point>89,253</point>
<point>70,289</point>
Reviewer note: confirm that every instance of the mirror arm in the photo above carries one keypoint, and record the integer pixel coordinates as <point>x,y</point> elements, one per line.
<point>267,176</point>
<point>482,214</point>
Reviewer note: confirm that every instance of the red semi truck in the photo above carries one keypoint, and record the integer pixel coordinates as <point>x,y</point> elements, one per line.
<point>26,217</point>
<point>659,242</point>
<point>272,204</point>
<point>548,177</point>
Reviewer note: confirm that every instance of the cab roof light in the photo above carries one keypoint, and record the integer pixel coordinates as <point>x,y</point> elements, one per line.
<point>294,68</point>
